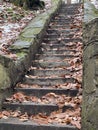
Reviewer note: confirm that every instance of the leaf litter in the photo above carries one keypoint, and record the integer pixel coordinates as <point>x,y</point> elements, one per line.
<point>13,20</point>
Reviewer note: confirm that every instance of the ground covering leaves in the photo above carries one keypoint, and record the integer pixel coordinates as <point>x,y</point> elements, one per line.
<point>13,20</point>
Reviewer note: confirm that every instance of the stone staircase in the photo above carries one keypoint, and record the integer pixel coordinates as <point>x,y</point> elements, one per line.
<point>48,77</point>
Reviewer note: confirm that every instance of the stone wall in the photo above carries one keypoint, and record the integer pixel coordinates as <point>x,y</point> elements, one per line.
<point>90,68</point>
<point>11,71</point>
<point>90,76</point>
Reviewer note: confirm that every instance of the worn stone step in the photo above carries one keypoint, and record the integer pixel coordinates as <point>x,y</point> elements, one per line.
<point>73,10</point>
<point>60,22</point>
<point>34,108</point>
<point>56,31</point>
<point>63,15</point>
<point>61,51</point>
<point>48,72</point>
<point>52,58</point>
<point>46,89</point>
<point>64,18</point>
<point>67,54</point>
<point>69,12</point>
<point>16,124</point>
<point>48,81</point>
<point>56,18</point>
<point>70,50</point>
<point>60,26</point>
<point>59,44</point>
<point>57,58</point>
<point>52,26</point>
<point>56,51</point>
<point>65,40</point>
<point>50,64</point>
<point>65,35</point>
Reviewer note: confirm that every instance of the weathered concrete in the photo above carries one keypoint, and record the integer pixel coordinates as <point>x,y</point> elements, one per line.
<point>90,69</point>
<point>11,71</point>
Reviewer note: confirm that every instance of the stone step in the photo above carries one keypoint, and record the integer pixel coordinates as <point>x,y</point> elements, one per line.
<point>56,51</point>
<point>69,12</point>
<point>57,58</point>
<point>54,58</point>
<point>47,50</point>
<point>16,124</point>
<point>56,40</point>
<point>47,81</point>
<point>50,64</point>
<point>60,22</point>
<point>46,89</point>
<point>64,15</point>
<point>33,108</point>
<point>48,72</point>
<point>56,31</point>
<point>59,44</point>
<point>52,26</point>
<point>60,51</point>
<point>65,35</point>
<point>67,54</point>
<point>56,18</point>
<point>70,9</point>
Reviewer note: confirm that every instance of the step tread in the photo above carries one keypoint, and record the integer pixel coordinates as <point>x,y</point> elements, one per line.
<point>16,124</point>
<point>34,108</point>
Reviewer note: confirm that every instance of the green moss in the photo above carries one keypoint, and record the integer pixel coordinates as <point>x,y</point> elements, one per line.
<point>21,54</point>
<point>30,32</point>
<point>4,78</point>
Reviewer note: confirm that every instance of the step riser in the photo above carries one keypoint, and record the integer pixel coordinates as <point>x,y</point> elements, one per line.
<point>48,72</point>
<point>34,109</point>
<point>59,26</point>
<point>58,36</point>
<point>50,64</point>
<point>61,22</point>
<point>41,92</point>
<point>55,58</point>
<point>31,126</point>
<point>55,31</point>
<point>61,19</point>
<point>59,45</point>
<point>53,52</point>
<point>54,40</point>
<point>69,12</point>
<point>50,82</point>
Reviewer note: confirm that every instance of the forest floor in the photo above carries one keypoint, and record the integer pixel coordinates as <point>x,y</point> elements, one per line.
<point>13,20</point>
